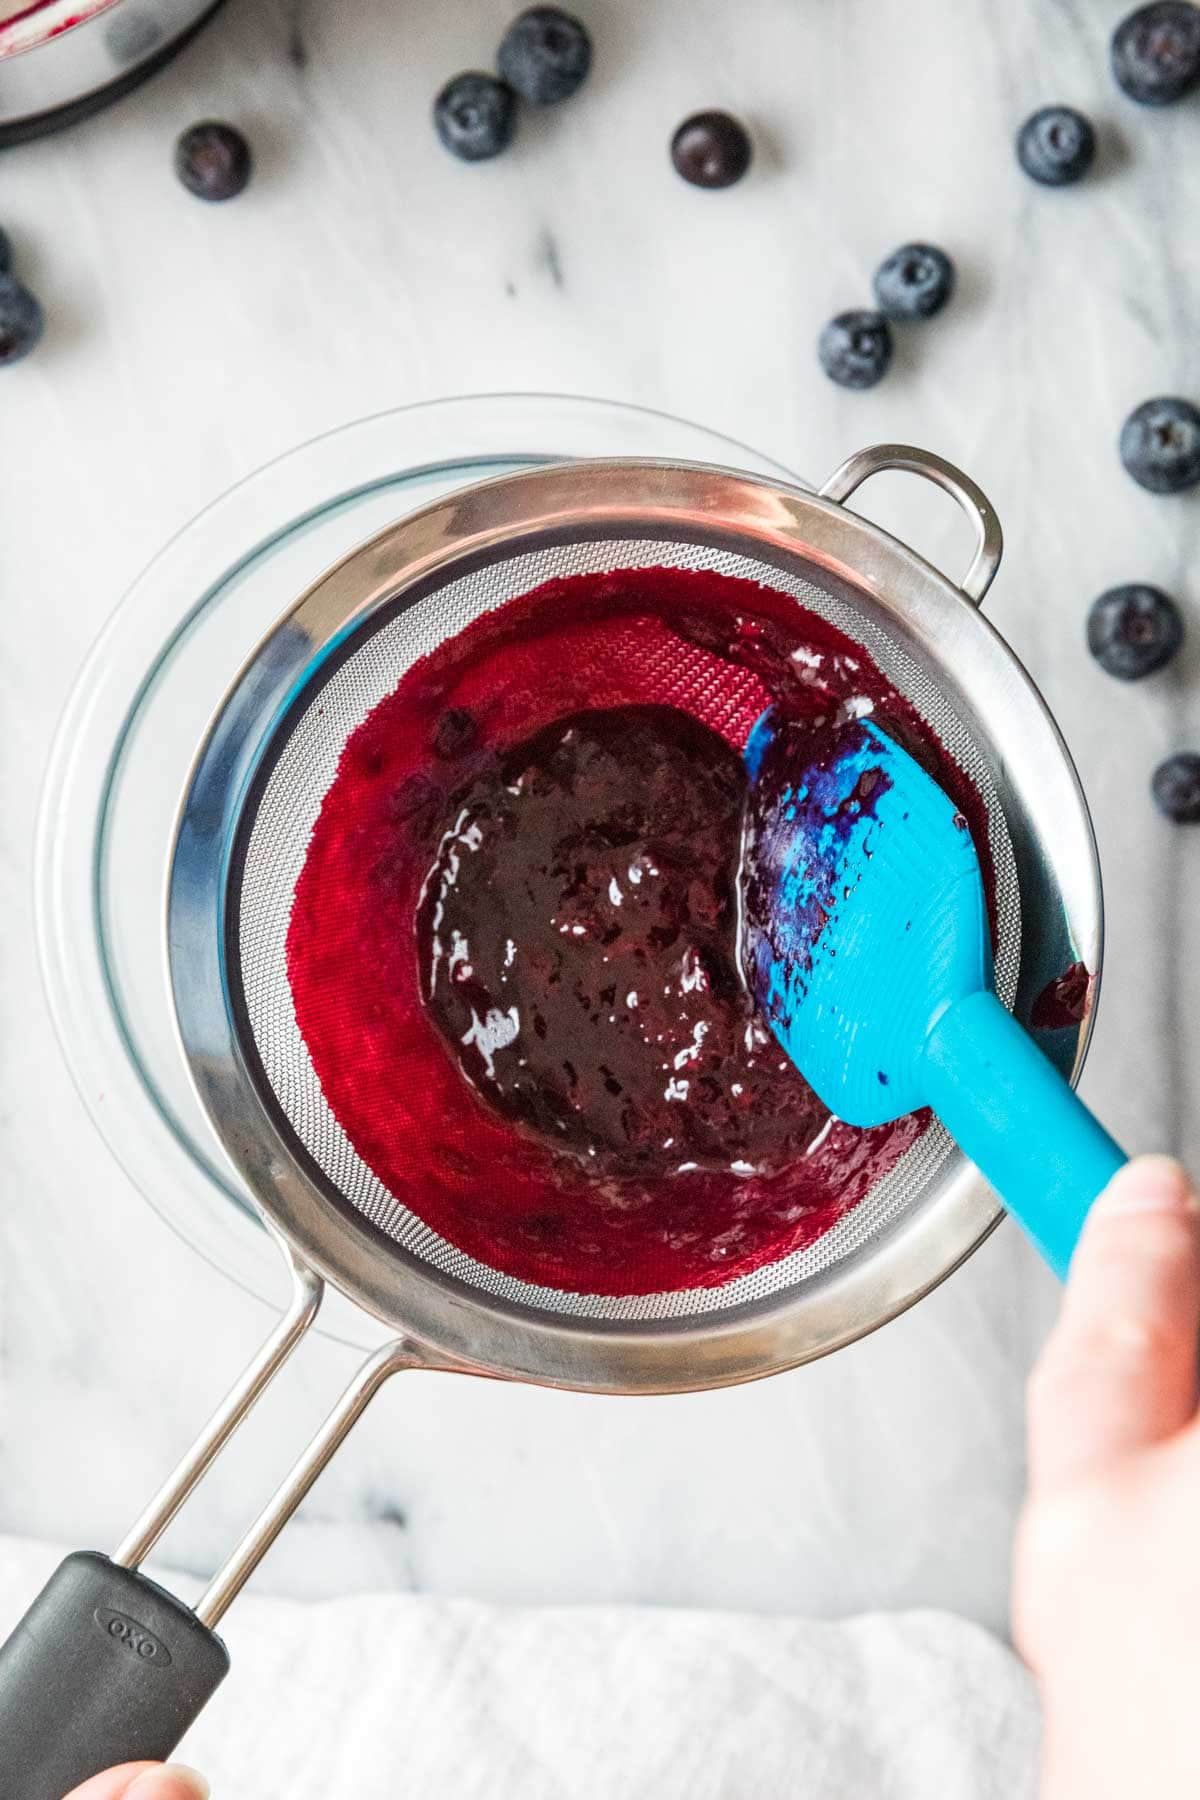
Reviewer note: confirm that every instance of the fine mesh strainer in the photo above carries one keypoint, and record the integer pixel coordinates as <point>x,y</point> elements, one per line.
<point>141,1665</point>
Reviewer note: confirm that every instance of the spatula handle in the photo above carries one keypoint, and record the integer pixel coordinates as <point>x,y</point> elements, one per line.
<point>1012,1113</point>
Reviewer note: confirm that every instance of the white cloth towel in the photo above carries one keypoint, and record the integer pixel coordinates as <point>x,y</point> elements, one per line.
<point>401,1697</point>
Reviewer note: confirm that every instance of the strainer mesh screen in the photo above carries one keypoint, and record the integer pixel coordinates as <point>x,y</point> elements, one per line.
<point>278,842</point>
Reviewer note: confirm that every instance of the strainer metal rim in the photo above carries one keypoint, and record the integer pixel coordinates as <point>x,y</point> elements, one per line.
<point>467,1327</point>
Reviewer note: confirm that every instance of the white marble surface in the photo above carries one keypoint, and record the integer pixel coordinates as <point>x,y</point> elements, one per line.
<point>187,345</point>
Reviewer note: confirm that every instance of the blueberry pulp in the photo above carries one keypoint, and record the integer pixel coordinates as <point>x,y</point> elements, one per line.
<point>1160,444</point>
<point>475,116</point>
<point>1176,787</point>
<point>914,282</point>
<point>1134,630</point>
<point>577,943</point>
<point>855,349</point>
<point>545,55</point>
<point>1155,52</point>
<point>711,150</point>
<point>1056,146</point>
<point>21,321</point>
<point>213,161</point>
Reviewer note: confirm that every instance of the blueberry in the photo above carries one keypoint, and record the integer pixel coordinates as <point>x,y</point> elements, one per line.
<point>455,732</point>
<point>855,349</point>
<point>21,321</point>
<point>1155,52</point>
<point>545,55</point>
<point>1160,444</point>
<point>914,283</point>
<point>6,255</point>
<point>213,161</point>
<point>711,150</point>
<point>1176,787</point>
<point>475,116</point>
<point>1133,630</point>
<point>1056,145</point>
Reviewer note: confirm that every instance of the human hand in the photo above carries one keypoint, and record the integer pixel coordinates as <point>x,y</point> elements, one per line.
<point>144,1781</point>
<point>1106,1603</point>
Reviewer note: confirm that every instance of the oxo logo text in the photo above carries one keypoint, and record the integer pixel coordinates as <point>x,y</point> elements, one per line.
<point>136,1639</point>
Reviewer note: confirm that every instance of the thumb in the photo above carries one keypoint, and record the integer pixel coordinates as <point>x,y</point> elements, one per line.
<point>1119,1371</point>
<point>144,1781</point>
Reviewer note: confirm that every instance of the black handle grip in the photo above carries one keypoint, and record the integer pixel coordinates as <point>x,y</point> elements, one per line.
<point>106,1667</point>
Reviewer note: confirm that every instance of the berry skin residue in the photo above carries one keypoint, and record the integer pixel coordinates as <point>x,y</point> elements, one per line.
<point>1065,1001</point>
<point>794,846</point>
<point>512,944</point>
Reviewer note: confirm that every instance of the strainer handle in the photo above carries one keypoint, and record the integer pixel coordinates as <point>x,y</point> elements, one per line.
<point>105,1668</point>
<point>879,458</point>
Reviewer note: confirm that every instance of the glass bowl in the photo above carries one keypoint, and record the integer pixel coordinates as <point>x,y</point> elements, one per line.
<point>135,719</point>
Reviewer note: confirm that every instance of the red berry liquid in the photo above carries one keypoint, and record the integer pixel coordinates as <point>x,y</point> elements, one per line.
<point>513,947</point>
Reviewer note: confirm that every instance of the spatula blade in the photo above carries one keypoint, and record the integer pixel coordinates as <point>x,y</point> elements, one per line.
<point>863,910</point>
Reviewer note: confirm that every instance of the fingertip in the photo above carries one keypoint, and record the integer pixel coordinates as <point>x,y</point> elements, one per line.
<point>173,1781</point>
<point>1139,1254</point>
<point>1148,1184</point>
<point>113,1784</point>
<point>1119,1372</point>
<point>144,1781</point>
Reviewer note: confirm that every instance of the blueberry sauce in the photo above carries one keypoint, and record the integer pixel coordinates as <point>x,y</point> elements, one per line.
<point>577,947</point>
<point>512,946</point>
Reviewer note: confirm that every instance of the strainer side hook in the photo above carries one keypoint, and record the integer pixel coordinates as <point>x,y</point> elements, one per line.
<point>878,459</point>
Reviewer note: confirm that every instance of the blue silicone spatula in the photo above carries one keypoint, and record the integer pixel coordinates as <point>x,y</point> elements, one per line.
<point>866,944</point>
